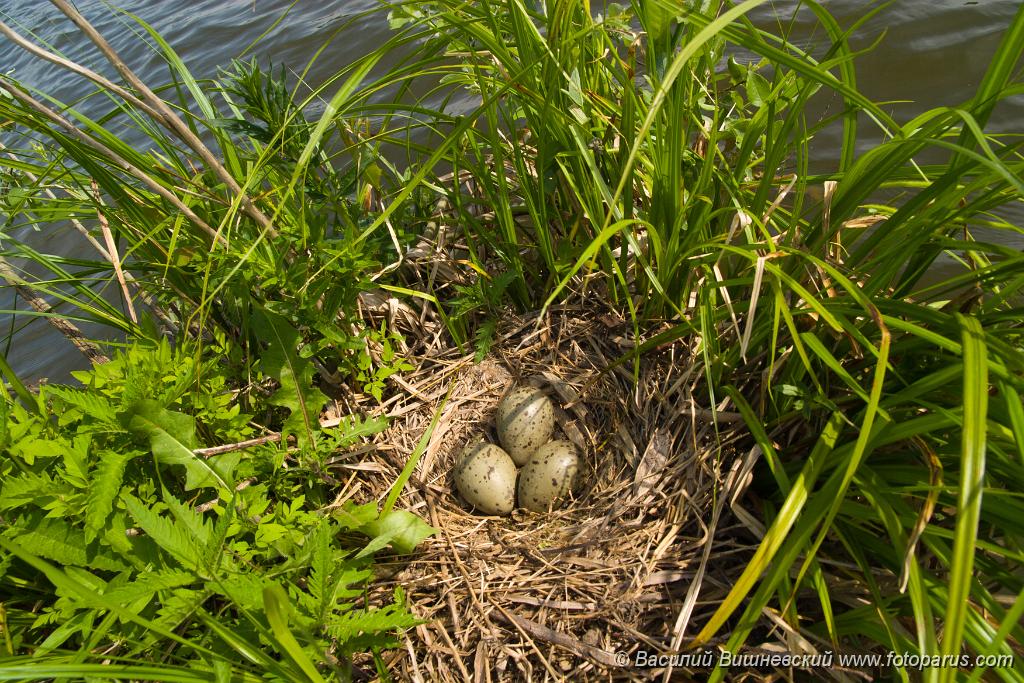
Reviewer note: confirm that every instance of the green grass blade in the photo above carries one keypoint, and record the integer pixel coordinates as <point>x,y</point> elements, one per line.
<point>414,458</point>
<point>275,602</point>
<point>32,669</point>
<point>778,533</point>
<point>972,480</point>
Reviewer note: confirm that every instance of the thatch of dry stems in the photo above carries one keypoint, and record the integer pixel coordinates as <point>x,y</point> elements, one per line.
<point>636,561</point>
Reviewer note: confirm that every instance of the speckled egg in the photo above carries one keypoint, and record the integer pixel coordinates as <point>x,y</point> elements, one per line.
<point>548,476</point>
<point>526,419</point>
<point>486,478</point>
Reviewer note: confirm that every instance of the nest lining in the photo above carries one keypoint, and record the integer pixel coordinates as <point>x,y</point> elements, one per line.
<point>623,566</point>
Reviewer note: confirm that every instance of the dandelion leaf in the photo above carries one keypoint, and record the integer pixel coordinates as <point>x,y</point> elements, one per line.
<point>175,538</point>
<point>360,626</point>
<point>104,485</point>
<point>297,392</point>
<point>172,438</point>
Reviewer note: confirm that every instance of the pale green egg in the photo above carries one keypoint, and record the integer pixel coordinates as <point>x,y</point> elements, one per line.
<point>548,476</point>
<point>525,421</point>
<point>486,478</point>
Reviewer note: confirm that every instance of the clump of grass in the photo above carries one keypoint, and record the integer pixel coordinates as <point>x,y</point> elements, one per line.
<point>618,155</point>
<point>887,412</point>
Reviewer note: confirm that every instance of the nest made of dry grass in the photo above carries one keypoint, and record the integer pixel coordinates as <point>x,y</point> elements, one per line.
<point>623,566</point>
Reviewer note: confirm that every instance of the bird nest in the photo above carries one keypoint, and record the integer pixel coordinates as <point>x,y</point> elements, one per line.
<point>622,567</point>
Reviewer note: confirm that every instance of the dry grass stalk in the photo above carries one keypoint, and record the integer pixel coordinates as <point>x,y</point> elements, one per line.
<point>165,115</point>
<point>108,153</point>
<point>63,325</point>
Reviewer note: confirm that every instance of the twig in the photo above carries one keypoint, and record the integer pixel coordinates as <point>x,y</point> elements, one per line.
<point>115,258</point>
<point>523,626</point>
<point>228,447</point>
<point>273,437</point>
<point>546,634</point>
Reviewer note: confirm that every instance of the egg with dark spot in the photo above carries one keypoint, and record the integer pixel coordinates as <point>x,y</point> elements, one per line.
<point>548,476</point>
<point>486,478</point>
<point>525,419</point>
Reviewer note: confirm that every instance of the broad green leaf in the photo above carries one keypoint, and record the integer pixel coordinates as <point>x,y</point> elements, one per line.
<point>295,375</point>
<point>172,439</point>
<point>759,90</point>
<point>401,528</point>
<point>355,517</point>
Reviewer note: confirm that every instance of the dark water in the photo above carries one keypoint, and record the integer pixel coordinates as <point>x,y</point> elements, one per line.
<point>932,53</point>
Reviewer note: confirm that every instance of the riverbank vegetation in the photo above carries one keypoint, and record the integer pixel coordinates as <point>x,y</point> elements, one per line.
<point>290,271</point>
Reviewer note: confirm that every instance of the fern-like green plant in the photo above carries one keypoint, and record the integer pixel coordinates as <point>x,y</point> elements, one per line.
<point>116,532</point>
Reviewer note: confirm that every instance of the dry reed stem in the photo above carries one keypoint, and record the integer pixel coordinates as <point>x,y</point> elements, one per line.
<point>121,162</point>
<point>115,258</point>
<point>167,117</point>
<point>63,325</point>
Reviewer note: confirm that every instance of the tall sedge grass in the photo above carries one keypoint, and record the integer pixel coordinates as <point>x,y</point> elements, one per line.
<point>892,514</point>
<point>233,197</point>
<point>240,226</point>
<point>622,150</point>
